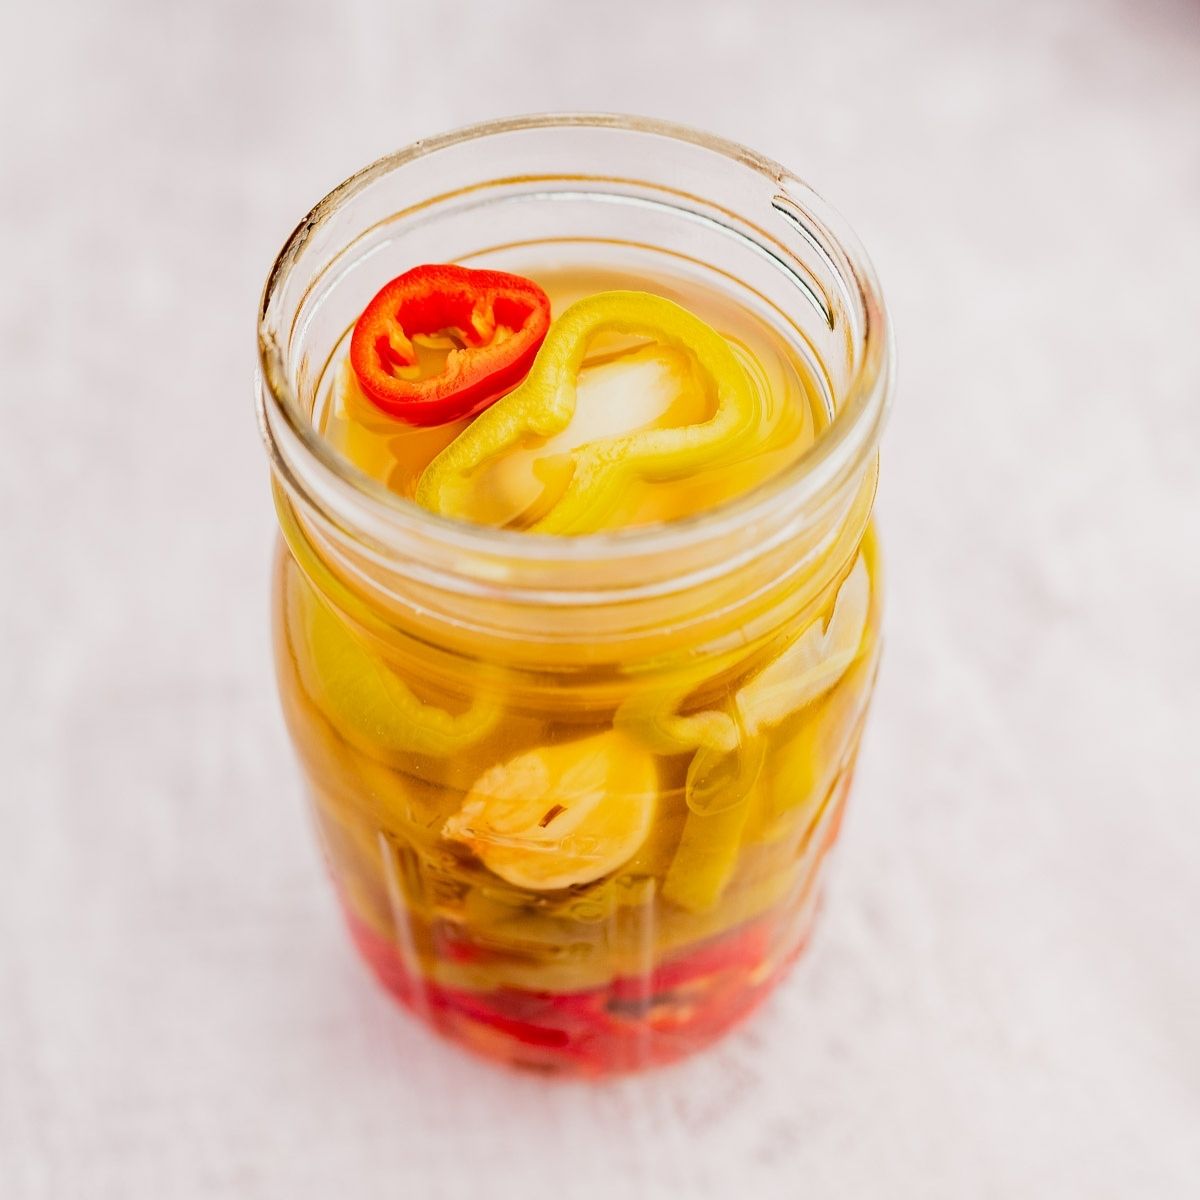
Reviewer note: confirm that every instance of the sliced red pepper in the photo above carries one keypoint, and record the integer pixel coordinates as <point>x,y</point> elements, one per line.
<point>495,321</point>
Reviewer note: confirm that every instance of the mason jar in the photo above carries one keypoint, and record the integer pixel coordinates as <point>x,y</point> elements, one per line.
<point>717,667</point>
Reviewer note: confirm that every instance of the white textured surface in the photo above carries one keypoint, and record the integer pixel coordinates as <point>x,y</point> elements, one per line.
<point>1004,1000</point>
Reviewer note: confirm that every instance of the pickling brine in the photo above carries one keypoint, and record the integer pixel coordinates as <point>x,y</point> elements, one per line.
<point>579,700</point>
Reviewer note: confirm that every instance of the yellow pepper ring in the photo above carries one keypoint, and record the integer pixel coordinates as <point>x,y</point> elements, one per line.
<point>544,404</point>
<point>368,704</point>
<point>653,718</point>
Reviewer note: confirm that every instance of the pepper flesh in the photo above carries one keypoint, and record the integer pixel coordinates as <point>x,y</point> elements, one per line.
<point>814,662</point>
<point>810,667</point>
<point>489,323</point>
<point>544,404</point>
<point>369,705</point>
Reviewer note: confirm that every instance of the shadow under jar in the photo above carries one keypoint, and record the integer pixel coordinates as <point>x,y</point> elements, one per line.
<point>721,665</point>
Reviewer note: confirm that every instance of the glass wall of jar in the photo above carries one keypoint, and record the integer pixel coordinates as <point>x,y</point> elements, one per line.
<point>696,689</point>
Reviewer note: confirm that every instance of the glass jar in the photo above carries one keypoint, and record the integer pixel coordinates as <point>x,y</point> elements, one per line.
<point>711,674</point>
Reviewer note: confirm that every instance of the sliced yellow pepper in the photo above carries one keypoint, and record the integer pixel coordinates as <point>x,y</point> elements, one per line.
<point>706,858</point>
<point>802,673</point>
<point>369,705</point>
<point>653,717</point>
<point>544,404</point>
<point>814,662</point>
<point>730,749</point>
<point>720,791</point>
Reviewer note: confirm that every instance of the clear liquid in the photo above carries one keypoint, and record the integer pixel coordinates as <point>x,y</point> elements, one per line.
<point>793,409</point>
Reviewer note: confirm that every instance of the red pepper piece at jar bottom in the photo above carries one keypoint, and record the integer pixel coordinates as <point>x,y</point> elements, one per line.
<point>496,322</point>
<point>586,1031</point>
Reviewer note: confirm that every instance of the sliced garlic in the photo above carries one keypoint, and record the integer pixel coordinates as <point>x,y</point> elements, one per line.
<point>635,389</point>
<point>560,815</point>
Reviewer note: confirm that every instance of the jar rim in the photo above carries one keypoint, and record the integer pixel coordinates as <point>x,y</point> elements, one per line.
<point>842,447</point>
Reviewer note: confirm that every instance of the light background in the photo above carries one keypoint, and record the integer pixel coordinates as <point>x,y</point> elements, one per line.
<point>1004,998</point>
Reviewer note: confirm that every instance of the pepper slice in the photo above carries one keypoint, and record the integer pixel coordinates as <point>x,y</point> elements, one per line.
<point>814,662</point>
<point>544,404</point>
<point>489,324</point>
<point>809,668</point>
<point>367,704</point>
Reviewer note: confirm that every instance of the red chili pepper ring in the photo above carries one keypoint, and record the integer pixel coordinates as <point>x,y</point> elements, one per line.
<point>495,321</point>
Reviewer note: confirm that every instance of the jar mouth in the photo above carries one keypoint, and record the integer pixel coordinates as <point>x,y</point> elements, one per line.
<point>312,470</point>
